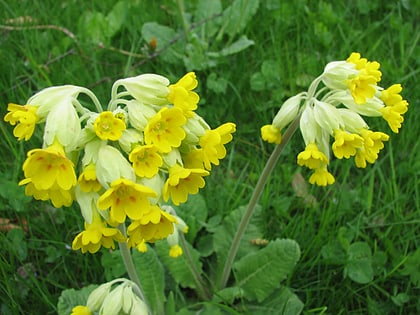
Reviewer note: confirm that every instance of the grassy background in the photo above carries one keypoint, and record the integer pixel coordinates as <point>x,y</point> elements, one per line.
<point>293,41</point>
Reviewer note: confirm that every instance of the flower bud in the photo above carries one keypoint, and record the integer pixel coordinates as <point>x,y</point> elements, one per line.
<point>139,114</point>
<point>288,111</point>
<point>97,296</point>
<point>353,122</point>
<point>150,89</point>
<point>113,301</point>
<point>327,116</point>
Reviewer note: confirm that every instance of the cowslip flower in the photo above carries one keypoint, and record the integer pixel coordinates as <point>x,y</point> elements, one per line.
<point>24,117</point>
<point>335,112</point>
<point>49,174</point>
<point>146,160</point>
<point>126,198</point>
<point>87,179</point>
<point>212,144</point>
<point>182,182</point>
<point>108,127</point>
<point>181,94</point>
<point>155,225</point>
<point>164,130</point>
<point>80,310</point>
<point>95,235</point>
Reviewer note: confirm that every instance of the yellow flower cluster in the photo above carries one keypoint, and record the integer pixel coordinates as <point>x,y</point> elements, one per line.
<point>121,165</point>
<point>335,111</point>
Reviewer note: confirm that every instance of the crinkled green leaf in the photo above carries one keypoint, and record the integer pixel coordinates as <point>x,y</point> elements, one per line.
<point>151,274</point>
<point>71,298</point>
<point>228,295</point>
<point>166,43</point>
<point>224,232</point>
<point>116,17</point>
<point>359,263</point>
<point>281,302</point>
<point>178,267</point>
<point>241,44</point>
<point>194,213</point>
<point>93,27</point>
<point>260,273</point>
<point>238,15</point>
<point>412,267</point>
<point>207,14</point>
<point>113,264</point>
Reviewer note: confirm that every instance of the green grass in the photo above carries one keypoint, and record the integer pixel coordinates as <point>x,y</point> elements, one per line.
<point>378,205</point>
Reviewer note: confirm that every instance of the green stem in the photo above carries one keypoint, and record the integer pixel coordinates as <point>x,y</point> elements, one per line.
<point>201,288</point>
<point>243,224</point>
<point>129,266</point>
<point>181,9</point>
<point>94,99</point>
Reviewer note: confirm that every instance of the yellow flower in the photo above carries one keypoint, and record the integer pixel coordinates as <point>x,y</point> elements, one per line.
<point>24,117</point>
<point>140,232</point>
<point>181,182</point>
<point>312,157</point>
<point>345,144</point>
<point>108,127</point>
<point>175,251</point>
<point>58,196</point>
<point>271,134</point>
<point>126,198</point>
<point>373,143</point>
<point>81,310</point>
<point>46,167</point>
<point>95,235</point>
<point>213,141</point>
<point>362,87</point>
<point>182,96</point>
<point>368,67</point>
<point>165,129</point>
<point>395,107</point>
<point>322,177</point>
<point>146,160</point>
<point>87,179</point>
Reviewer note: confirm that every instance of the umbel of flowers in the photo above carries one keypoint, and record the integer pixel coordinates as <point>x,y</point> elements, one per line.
<point>335,111</point>
<point>122,164</point>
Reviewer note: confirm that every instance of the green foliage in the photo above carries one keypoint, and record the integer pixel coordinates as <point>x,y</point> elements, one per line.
<point>260,273</point>
<point>70,298</point>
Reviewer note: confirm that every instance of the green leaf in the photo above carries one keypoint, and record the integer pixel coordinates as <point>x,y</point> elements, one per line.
<point>18,243</point>
<point>14,195</point>
<point>194,213</point>
<point>359,263</point>
<point>223,234</point>
<point>260,273</point>
<point>178,267</point>
<point>116,17</point>
<point>241,44</point>
<point>71,298</point>
<point>171,50</point>
<point>151,274</point>
<point>217,84</point>
<point>238,15</point>
<point>113,264</point>
<point>412,267</point>
<point>93,27</point>
<point>228,295</point>
<point>280,302</point>
<point>207,11</point>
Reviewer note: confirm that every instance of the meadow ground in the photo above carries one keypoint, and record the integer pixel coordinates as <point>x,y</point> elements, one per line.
<point>358,238</point>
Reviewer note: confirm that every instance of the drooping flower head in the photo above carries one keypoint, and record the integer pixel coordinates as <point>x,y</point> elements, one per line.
<point>24,117</point>
<point>181,94</point>
<point>164,130</point>
<point>49,174</point>
<point>182,182</point>
<point>335,112</point>
<point>96,235</point>
<point>126,198</point>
